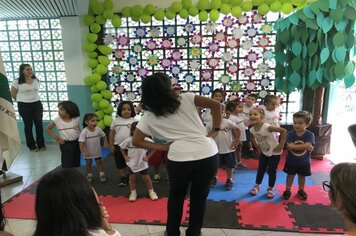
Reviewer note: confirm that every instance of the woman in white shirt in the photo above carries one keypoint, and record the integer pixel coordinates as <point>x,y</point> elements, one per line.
<point>192,155</point>
<point>24,91</point>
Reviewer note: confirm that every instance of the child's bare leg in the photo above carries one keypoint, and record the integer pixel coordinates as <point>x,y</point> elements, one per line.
<point>301,181</point>
<point>100,165</point>
<point>229,172</point>
<point>132,182</point>
<point>289,181</point>
<point>148,181</point>
<point>88,163</point>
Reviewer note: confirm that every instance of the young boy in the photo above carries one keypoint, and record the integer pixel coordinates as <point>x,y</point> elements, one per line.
<point>249,104</point>
<point>300,143</point>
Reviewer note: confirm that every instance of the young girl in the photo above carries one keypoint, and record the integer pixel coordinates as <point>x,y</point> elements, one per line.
<point>272,113</point>
<point>234,112</point>
<point>67,124</point>
<point>89,142</point>
<point>119,131</point>
<point>268,149</point>
<point>217,95</point>
<point>136,160</point>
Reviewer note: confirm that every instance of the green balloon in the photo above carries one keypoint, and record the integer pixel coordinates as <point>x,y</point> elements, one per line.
<point>101,124</point>
<point>98,9</point>
<point>236,2</point>
<point>257,2</point>
<point>100,19</point>
<point>225,8</point>
<point>107,94</point>
<point>94,88</point>
<point>108,14</point>
<point>107,4</point>
<point>287,8</point>
<point>215,4</point>
<point>145,19</point>
<point>214,15</point>
<point>95,78</point>
<point>87,80</point>
<point>170,15</point>
<point>109,110</point>
<point>91,37</point>
<point>93,55</point>
<point>137,10</point>
<point>226,1</point>
<point>96,97</point>
<point>246,6</point>
<point>104,104</point>
<point>275,6</point>
<point>88,19</point>
<point>89,47</point>
<point>104,49</point>
<point>187,4</point>
<point>193,11</point>
<point>101,85</point>
<point>236,11</point>
<point>184,14</point>
<point>95,105</point>
<point>126,11</point>
<point>203,16</point>
<point>92,63</point>
<point>101,69</point>
<point>104,60</point>
<point>107,120</point>
<point>116,21</point>
<point>176,7</point>
<point>100,113</point>
<point>263,9</point>
<point>203,5</point>
<point>95,28</point>
<point>135,18</point>
<point>159,14</point>
<point>149,9</point>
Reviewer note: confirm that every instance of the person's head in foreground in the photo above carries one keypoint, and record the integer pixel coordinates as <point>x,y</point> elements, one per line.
<point>342,193</point>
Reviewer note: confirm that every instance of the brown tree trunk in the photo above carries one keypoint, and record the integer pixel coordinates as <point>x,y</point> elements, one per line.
<point>318,105</point>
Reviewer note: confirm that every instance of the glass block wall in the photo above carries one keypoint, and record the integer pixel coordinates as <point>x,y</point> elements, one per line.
<point>37,42</point>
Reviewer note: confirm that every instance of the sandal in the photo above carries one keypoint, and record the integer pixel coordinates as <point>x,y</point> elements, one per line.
<point>255,190</point>
<point>270,193</point>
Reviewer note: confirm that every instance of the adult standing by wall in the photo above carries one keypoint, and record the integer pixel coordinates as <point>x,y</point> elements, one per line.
<point>192,155</point>
<point>24,90</point>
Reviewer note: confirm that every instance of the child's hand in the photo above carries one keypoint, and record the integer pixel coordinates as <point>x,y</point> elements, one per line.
<point>145,158</point>
<point>59,140</point>
<point>105,225</point>
<point>258,152</point>
<point>127,158</point>
<point>278,148</point>
<point>112,148</point>
<point>85,154</point>
<point>235,144</point>
<point>213,133</point>
<point>310,148</point>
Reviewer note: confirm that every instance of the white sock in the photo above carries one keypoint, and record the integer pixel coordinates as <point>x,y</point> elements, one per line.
<point>102,173</point>
<point>133,191</point>
<point>151,190</point>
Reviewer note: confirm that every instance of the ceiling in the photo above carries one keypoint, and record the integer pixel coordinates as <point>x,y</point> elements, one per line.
<point>20,9</point>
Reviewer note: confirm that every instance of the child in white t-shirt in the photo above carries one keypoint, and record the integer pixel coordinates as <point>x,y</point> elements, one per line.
<point>270,106</point>
<point>218,95</point>
<point>89,142</point>
<point>249,104</point>
<point>136,159</point>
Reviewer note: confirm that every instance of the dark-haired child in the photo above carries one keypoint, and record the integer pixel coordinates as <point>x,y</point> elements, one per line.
<point>300,143</point>
<point>119,131</point>
<point>136,159</point>
<point>67,124</point>
<point>218,95</point>
<point>249,104</point>
<point>89,143</point>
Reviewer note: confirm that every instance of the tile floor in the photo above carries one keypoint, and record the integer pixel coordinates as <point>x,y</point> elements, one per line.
<point>33,165</point>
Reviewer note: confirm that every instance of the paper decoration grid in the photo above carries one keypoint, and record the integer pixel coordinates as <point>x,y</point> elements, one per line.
<point>235,54</point>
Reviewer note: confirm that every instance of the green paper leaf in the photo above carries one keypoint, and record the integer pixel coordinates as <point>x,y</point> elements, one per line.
<point>350,13</point>
<point>308,12</point>
<point>339,39</point>
<point>295,79</point>
<point>312,34</point>
<point>327,24</point>
<point>312,47</point>
<point>296,32</point>
<point>300,15</point>
<point>350,41</point>
<point>319,19</point>
<point>305,35</point>
<point>284,37</point>
<point>293,19</point>
<point>304,52</point>
<point>311,23</point>
<point>340,26</point>
<point>319,74</point>
<point>296,63</point>
<point>312,78</point>
<point>349,69</point>
<point>279,83</point>
<point>296,48</point>
<point>339,54</point>
<point>339,70</point>
<point>336,14</point>
<point>349,81</point>
<point>332,4</point>
<point>324,55</point>
<point>322,6</point>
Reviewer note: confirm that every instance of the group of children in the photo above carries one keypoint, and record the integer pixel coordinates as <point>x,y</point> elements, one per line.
<point>243,123</point>
<point>259,127</point>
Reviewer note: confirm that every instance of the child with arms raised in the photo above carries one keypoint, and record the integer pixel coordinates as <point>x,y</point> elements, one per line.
<point>67,124</point>
<point>89,142</point>
<point>300,142</point>
<point>268,149</point>
<point>136,160</point>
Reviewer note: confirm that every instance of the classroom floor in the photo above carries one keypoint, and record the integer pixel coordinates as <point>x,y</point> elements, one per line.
<point>33,165</point>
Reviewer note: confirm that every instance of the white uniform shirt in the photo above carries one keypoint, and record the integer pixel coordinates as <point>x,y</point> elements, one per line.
<point>239,121</point>
<point>136,155</point>
<point>68,131</point>
<point>122,128</point>
<point>246,110</point>
<point>272,117</point>
<point>265,140</point>
<point>101,232</point>
<point>184,128</point>
<point>91,141</point>
<point>27,92</point>
<point>225,137</point>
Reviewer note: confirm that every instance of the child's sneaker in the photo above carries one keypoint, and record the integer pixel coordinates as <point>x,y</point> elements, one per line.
<point>286,194</point>
<point>229,184</point>
<point>213,182</point>
<point>242,166</point>
<point>133,196</point>
<point>90,178</point>
<point>123,181</point>
<point>102,178</point>
<point>153,195</point>
<point>156,178</point>
<point>302,194</point>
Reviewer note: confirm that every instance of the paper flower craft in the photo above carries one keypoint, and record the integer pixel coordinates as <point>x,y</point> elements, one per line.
<point>117,69</point>
<point>262,68</point>
<point>213,62</point>
<point>189,27</point>
<point>130,96</point>
<point>237,33</point>
<point>227,56</point>
<point>205,89</point>
<point>265,81</point>
<point>251,31</point>
<point>151,45</point>
<point>109,39</point>
<point>263,41</point>
<point>266,28</point>
<point>228,21</point>
<point>232,68</point>
<point>213,47</point>
<point>220,36</point>
<point>232,43</point>
<point>250,85</point>
<point>195,52</point>
<point>268,55</point>
<point>243,19</point>
<point>132,60</point>
<point>196,39</point>
<point>169,31</point>
<point>119,89</point>
<point>210,28</point>
<point>123,40</point>
<point>176,70</point>
<point>194,65</point>
<point>181,41</point>
<point>189,78</point>
<point>235,86</point>
<point>142,72</point>
<point>233,97</point>
<point>118,54</point>
<point>155,32</point>
<point>176,55</point>
<point>140,32</point>
<point>247,44</point>
<point>166,43</point>
<point>152,60</point>
<point>257,18</point>
<point>252,56</point>
<point>129,77</point>
<point>165,62</point>
<point>262,93</point>
<point>248,71</point>
<point>137,48</point>
<point>225,78</point>
<point>206,75</point>
<point>112,79</point>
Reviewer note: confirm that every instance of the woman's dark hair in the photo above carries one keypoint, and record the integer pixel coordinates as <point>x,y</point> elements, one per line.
<point>22,76</point>
<point>71,108</point>
<point>87,117</point>
<point>121,105</point>
<point>133,127</point>
<point>2,217</point>
<point>66,204</point>
<point>158,96</point>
